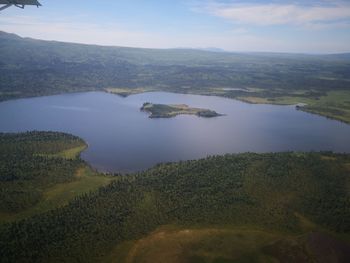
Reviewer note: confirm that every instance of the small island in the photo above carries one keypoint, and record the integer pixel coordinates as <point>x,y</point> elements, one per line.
<point>172,110</point>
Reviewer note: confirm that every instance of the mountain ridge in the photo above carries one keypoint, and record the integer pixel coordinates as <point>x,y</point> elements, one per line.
<point>208,49</point>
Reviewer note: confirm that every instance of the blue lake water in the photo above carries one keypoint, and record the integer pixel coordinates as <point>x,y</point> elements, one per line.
<point>123,139</point>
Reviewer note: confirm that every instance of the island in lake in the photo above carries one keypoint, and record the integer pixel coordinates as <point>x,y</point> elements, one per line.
<point>172,110</point>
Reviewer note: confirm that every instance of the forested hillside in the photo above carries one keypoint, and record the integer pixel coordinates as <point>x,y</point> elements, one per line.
<point>276,199</point>
<point>37,171</point>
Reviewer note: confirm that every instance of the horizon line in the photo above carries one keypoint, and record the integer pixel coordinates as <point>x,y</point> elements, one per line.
<point>203,49</point>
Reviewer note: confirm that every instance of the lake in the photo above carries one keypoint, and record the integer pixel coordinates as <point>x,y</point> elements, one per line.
<point>121,138</point>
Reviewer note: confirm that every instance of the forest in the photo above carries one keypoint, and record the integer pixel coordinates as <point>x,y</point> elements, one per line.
<point>33,167</point>
<point>290,197</point>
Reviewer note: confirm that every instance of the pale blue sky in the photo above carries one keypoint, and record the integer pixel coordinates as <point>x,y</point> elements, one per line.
<point>309,26</point>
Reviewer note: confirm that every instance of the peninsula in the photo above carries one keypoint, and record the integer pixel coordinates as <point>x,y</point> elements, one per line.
<point>172,110</point>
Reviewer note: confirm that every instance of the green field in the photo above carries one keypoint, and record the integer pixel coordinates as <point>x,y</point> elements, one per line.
<point>334,104</point>
<point>72,153</point>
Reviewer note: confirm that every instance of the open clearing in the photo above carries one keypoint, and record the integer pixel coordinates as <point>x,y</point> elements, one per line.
<point>173,244</point>
<point>61,194</point>
<point>335,105</point>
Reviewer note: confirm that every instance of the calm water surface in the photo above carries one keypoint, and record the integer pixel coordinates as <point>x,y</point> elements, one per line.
<point>123,139</point>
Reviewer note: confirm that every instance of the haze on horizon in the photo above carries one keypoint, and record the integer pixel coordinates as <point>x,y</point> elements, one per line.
<point>309,26</point>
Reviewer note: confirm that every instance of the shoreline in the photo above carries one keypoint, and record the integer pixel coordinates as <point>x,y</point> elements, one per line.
<point>241,99</point>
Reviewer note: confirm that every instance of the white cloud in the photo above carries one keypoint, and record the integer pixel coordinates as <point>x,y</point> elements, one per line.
<point>279,14</point>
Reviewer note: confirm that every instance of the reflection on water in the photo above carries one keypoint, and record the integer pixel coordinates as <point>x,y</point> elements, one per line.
<point>124,139</point>
<point>71,108</point>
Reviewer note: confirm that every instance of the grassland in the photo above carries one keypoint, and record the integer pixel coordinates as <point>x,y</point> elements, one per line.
<point>232,244</point>
<point>174,244</point>
<point>177,245</point>
<point>172,110</point>
<point>71,154</point>
<point>334,104</point>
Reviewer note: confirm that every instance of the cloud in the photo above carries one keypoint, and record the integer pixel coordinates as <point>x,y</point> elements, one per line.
<point>279,14</point>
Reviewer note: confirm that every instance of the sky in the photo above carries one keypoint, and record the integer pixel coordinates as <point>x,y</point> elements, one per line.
<point>308,26</point>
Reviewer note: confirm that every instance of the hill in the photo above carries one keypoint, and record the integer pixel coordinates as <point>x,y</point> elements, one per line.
<point>278,207</point>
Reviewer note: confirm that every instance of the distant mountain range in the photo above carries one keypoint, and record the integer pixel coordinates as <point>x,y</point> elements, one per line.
<point>210,49</point>
<point>11,36</point>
